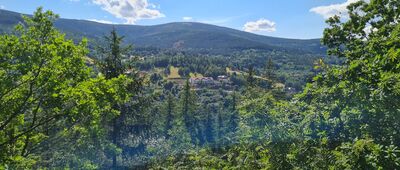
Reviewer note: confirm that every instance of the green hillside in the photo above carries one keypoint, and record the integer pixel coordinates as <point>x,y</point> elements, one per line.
<point>183,35</point>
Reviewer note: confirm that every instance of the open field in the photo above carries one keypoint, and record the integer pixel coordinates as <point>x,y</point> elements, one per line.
<point>174,73</point>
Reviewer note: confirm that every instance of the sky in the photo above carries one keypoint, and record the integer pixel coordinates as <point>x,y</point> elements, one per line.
<point>300,19</point>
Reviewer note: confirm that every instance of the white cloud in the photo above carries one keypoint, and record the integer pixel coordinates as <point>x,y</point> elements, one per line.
<point>101,21</point>
<point>74,0</point>
<point>2,7</point>
<point>334,9</point>
<point>130,10</point>
<point>262,25</point>
<point>218,21</point>
<point>187,18</point>
<point>212,21</point>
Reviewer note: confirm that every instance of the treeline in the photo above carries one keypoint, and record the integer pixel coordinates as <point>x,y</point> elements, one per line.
<point>294,70</point>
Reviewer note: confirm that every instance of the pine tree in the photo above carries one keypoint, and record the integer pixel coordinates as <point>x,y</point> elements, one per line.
<point>111,55</point>
<point>188,112</point>
<point>234,119</point>
<point>220,128</point>
<point>251,81</point>
<point>269,69</point>
<point>186,104</point>
<point>209,130</point>
<point>170,115</point>
<point>111,65</point>
<point>270,72</point>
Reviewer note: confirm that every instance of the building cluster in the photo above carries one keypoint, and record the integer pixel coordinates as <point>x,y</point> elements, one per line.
<point>209,81</point>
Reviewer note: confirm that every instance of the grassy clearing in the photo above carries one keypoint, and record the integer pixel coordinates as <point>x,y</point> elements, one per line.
<point>174,73</point>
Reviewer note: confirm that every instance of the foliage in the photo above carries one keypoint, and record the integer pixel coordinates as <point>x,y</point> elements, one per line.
<point>50,100</point>
<point>58,113</point>
<point>347,118</point>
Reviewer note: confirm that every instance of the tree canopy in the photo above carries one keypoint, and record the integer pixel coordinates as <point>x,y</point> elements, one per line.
<point>57,111</point>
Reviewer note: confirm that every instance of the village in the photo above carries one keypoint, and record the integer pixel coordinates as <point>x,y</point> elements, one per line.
<point>228,82</point>
<point>209,82</point>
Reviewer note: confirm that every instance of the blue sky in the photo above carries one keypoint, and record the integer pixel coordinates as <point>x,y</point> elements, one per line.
<point>280,18</point>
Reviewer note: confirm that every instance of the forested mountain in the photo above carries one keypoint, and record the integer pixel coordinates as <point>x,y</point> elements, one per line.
<point>182,35</point>
<point>60,109</point>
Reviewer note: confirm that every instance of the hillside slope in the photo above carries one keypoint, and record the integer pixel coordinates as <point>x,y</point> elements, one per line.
<point>182,35</point>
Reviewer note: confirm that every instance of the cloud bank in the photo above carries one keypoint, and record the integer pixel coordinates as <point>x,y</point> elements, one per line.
<point>101,21</point>
<point>130,10</point>
<point>334,9</point>
<point>262,25</point>
<point>187,18</point>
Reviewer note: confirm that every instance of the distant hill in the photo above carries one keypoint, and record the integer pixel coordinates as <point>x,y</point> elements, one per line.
<point>182,35</point>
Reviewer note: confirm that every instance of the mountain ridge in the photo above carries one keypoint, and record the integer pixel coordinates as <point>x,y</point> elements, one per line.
<point>174,35</point>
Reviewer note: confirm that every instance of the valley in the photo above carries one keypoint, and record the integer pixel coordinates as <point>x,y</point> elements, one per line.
<point>80,94</point>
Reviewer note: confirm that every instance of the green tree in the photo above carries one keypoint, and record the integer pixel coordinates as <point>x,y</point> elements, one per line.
<point>111,66</point>
<point>48,96</point>
<point>356,105</point>
<point>114,61</point>
<point>170,109</point>
<point>368,43</point>
<point>191,119</point>
<point>209,124</point>
<point>234,118</point>
<point>251,80</point>
<point>270,69</point>
<point>111,55</point>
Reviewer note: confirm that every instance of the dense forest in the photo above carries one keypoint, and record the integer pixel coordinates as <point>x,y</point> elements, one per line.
<point>104,105</point>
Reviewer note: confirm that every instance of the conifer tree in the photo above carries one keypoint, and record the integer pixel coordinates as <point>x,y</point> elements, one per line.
<point>209,129</point>
<point>190,117</point>
<point>269,69</point>
<point>251,80</point>
<point>234,118</point>
<point>270,73</point>
<point>169,115</point>
<point>111,65</point>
